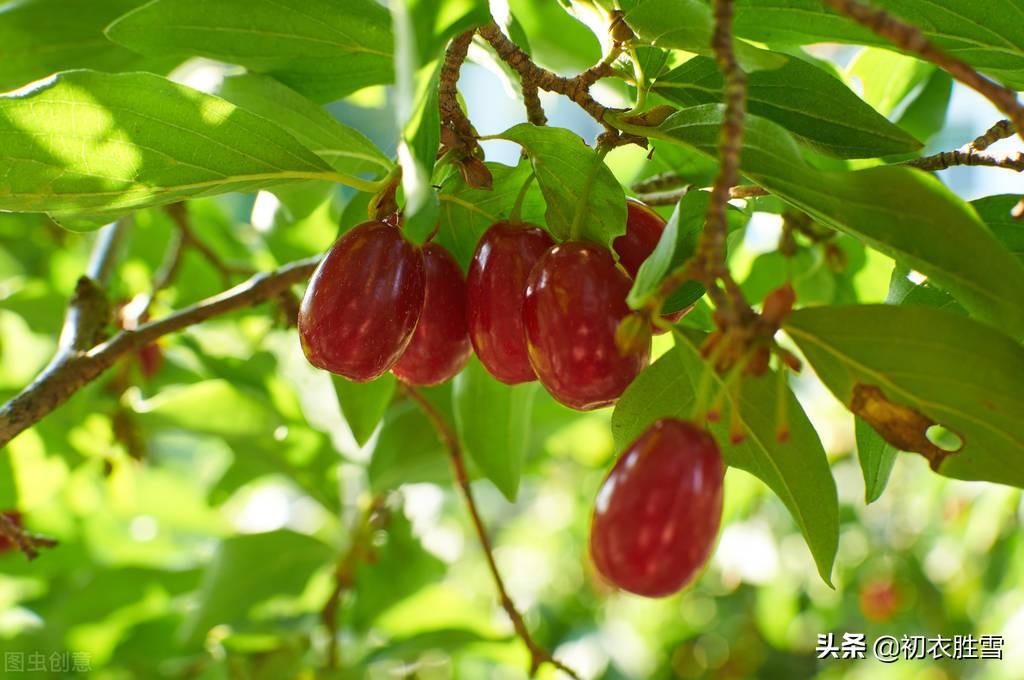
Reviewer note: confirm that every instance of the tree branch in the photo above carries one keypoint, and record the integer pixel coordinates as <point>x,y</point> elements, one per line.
<point>966,156</point>
<point>1000,130</point>
<point>452,115</point>
<point>911,39</point>
<point>179,213</point>
<point>672,197</point>
<point>28,543</point>
<point>533,76</point>
<point>65,376</point>
<point>538,656</point>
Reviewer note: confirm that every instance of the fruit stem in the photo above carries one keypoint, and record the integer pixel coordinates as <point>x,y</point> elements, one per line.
<point>699,414</point>
<point>515,217</point>
<point>641,83</point>
<point>538,656</point>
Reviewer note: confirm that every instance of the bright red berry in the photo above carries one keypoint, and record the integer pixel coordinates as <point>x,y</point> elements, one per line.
<point>643,231</point>
<point>362,303</point>
<point>658,511</point>
<point>496,286</point>
<point>575,301</point>
<point>440,345</point>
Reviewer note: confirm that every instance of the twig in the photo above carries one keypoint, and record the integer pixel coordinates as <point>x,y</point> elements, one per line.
<point>710,265</point>
<point>452,115</point>
<point>672,197</point>
<point>948,159</point>
<point>538,655</point>
<point>28,543</point>
<point>658,183</point>
<point>534,109</point>
<point>1000,130</point>
<point>911,39</point>
<point>577,89</point>
<point>63,378</point>
<point>360,550</point>
<point>179,213</point>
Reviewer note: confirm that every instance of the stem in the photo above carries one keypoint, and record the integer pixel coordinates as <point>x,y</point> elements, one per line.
<point>515,217</point>
<point>538,656</point>
<point>69,373</point>
<point>641,83</point>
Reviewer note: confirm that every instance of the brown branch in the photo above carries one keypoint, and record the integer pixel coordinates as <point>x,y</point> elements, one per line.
<point>452,115</point>
<point>1000,130</point>
<point>27,542</point>
<point>672,197</point>
<point>538,655</point>
<point>577,89</point>
<point>968,156</point>
<point>710,264</point>
<point>360,550</point>
<point>659,183</point>
<point>911,39</point>
<point>68,374</point>
<point>534,109</point>
<point>179,213</point>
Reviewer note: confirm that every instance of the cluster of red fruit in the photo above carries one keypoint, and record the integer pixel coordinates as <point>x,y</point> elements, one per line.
<point>531,309</point>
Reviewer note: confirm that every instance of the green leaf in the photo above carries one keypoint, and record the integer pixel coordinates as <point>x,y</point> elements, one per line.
<point>363,404</point>
<point>876,458</point>
<point>401,568</point>
<point>249,569</point>
<point>984,33</point>
<point>925,116</point>
<point>995,212</point>
<point>324,49</point>
<point>958,373</point>
<point>679,24</point>
<point>493,423</point>
<point>343,148</point>
<point>904,213</point>
<point>800,97</point>
<point>466,213</point>
<point>435,21</point>
<point>214,407</point>
<point>577,185</point>
<point>101,143</point>
<point>408,450</point>
<point>40,37</point>
<point>797,471</point>
<point>677,244</point>
<point>886,77</point>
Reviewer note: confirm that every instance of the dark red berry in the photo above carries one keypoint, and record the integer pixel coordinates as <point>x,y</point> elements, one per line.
<point>363,302</point>
<point>440,345</point>
<point>643,231</point>
<point>575,301</point>
<point>658,511</point>
<point>496,285</point>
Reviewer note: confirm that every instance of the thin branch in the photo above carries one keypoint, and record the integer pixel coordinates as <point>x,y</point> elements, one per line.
<point>710,264</point>
<point>577,89</point>
<point>948,159</point>
<point>538,655</point>
<point>452,115</point>
<point>28,543</point>
<point>658,183</point>
<point>61,379</point>
<point>179,213</point>
<point>1000,130</point>
<point>534,109</point>
<point>911,39</point>
<point>672,197</point>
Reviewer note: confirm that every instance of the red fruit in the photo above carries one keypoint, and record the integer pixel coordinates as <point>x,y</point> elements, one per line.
<point>575,300</point>
<point>658,511</point>
<point>643,231</point>
<point>880,600</point>
<point>496,285</point>
<point>362,303</point>
<point>6,544</point>
<point>440,345</point>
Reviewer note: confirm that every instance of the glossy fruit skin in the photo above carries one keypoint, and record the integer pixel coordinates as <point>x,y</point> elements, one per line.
<point>643,231</point>
<point>496,286</point>
<point>658,511</point>
<point>440,344</point>
<point>575,299</point>
<point>362,303</point>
